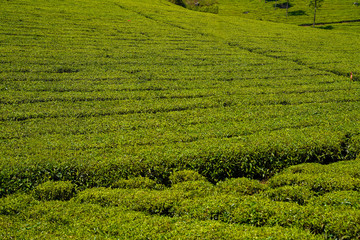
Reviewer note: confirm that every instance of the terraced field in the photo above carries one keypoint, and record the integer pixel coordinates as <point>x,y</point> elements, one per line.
<point>96,91</point>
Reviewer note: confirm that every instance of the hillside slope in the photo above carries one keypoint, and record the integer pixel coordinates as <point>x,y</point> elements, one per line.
<point>93,91</point>
<point>299,11</point>
<point>139,120</point>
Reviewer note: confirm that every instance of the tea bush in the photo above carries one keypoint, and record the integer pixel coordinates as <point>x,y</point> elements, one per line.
<point>218,207</point>
<point>61,190</point>
<point>241,186</point>
<point>185,175</point>
<point>331,222</point>
<point>194,188</point>
<point>319,183</point>
<point>298,194</point>
<point>346,199</point>
<point>256,211</point>
<point>307,168</point>
<point>333,214</point>
<point>152,201</point>
<point>78,221</point>
<point>137,182</point>
<point>351,168</point>
<point>16,203</point>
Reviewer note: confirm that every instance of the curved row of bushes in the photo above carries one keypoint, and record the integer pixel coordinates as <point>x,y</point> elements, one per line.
<point>310,200</point>
<point>216,163</point>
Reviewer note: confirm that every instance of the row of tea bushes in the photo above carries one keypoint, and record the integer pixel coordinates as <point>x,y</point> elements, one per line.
<point>293,200</point>
<point>255,156</point>
<point>70,220</point>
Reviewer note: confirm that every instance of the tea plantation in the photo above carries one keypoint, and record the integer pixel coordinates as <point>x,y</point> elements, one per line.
<point>146,120</point>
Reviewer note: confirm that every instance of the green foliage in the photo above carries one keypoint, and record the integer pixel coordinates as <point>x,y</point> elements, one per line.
<point>151,201</point>
<point>218,207</point>
<point>346,199</point>
<point>242,186</point>
<point>60,190</point>
<point>81,110</point>
<point>349,168</point>
<point>298,194</point>
<point>340,176</point>
<point>185,175</point>
<point>137,182</point>
<point>330,222</point>
<point>315,3</point>
<point>319,183</point>
<point>78,221</point>
<point>76,108</point>
<point>308,168</point>
<point>188,208</point>
<point>94,94</point>
<point>299,12</point>
<point>210,6</point>
<point>254,211</point>
<point>14,204</point>
<point>196,188</point>
<point>178,2</point>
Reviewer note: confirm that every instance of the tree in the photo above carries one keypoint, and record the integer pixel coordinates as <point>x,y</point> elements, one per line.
<point>315,4</point>
<point>287,7</point>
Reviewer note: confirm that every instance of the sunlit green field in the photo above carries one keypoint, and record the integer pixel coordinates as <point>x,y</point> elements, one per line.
<point>298,11</point>
<point>92,92</point>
